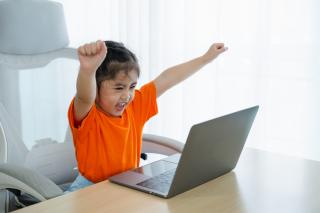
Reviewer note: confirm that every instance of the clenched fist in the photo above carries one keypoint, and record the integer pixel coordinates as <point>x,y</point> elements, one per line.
<point>91,55</point>
<point>214,51</point>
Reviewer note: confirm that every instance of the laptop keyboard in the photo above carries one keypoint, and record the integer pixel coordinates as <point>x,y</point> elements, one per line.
<point>160,182</point>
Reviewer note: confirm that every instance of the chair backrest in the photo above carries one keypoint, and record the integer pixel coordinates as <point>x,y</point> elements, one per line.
<point>54,160</point>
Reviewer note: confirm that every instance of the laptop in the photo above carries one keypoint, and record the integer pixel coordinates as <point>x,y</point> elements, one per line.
<point>212,149</point>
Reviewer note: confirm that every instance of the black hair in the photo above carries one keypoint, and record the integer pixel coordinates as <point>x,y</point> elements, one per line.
<point>118,58</point>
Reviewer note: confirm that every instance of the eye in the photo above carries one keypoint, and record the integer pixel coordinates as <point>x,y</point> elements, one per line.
<point>133,86</point>
<point>118,88</point>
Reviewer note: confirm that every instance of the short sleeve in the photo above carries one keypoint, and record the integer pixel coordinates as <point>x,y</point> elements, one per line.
<point>145,102</point>
<point>82,129</point>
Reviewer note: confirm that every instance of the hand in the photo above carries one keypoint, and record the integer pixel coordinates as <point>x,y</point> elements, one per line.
<point>214,51</point>
<point>91,55</point>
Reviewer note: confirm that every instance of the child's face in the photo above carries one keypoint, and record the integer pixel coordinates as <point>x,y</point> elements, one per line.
<point>116,94</point>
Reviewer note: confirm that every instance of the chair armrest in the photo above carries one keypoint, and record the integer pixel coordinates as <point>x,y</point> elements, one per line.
<point>28,181</point>
<point>160,145</point>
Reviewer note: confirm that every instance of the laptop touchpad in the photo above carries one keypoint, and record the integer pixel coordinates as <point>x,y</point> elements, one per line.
<point>155,168</point>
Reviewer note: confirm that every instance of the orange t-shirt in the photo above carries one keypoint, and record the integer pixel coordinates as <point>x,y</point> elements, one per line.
<point>107,145</point>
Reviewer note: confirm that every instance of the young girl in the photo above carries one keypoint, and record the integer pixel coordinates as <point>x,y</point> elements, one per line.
<point>107,114</point>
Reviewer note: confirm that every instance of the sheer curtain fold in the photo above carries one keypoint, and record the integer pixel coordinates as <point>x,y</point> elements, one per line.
<point>273,61</point>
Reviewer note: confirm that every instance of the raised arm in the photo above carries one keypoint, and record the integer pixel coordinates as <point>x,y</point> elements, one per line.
<point>90,56</point>
<point>174,75</point>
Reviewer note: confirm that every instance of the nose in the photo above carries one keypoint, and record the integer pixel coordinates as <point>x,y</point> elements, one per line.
<point>125,96</point>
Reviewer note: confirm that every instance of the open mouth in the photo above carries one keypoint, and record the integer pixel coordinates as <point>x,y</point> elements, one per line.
<point>121,106</point>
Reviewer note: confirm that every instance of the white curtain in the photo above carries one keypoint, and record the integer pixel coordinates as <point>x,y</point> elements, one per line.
<point>273,61</point>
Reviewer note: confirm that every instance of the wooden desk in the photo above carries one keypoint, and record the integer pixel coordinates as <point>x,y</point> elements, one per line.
<point>261,183</point>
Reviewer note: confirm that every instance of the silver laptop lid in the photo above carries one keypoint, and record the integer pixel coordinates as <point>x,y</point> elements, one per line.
<point>212,149</point>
